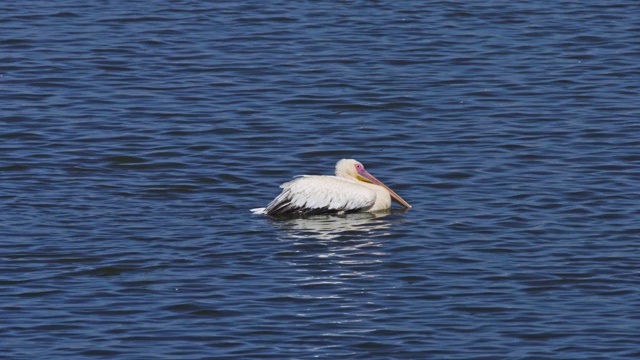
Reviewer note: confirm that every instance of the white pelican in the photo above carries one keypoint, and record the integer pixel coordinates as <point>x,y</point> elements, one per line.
<point>353,189</point>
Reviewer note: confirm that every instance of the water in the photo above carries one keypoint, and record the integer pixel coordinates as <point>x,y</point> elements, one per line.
<point>135,137</point>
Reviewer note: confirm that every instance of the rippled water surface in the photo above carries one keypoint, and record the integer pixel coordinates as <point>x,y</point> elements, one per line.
<point>136,136</point>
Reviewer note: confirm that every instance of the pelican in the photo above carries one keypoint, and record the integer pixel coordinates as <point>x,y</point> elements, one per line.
<point>352,189</point>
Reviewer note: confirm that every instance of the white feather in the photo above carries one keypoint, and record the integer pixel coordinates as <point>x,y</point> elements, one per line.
<point>313,193</point>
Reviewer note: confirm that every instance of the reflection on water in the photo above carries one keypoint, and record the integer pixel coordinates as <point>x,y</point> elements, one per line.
<point>347,243</point>
<point>332,227</point>
<point>330,254</point>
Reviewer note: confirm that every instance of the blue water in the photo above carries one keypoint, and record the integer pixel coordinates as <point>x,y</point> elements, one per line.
<point>136,136</point>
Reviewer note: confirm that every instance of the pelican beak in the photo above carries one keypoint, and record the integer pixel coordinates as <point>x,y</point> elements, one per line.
<point>365,176</point>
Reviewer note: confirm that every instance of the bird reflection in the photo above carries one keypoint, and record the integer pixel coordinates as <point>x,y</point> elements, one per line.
<point>332,255</point>
<point>333,227</point>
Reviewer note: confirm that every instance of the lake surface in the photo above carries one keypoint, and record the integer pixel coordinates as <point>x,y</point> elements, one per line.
<point>136,136</point>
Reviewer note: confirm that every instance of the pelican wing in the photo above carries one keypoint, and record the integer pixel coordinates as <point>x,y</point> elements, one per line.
<point>309,195</point>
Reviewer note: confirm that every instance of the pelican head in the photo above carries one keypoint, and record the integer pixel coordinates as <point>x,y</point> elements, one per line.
<point>354,170</point>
